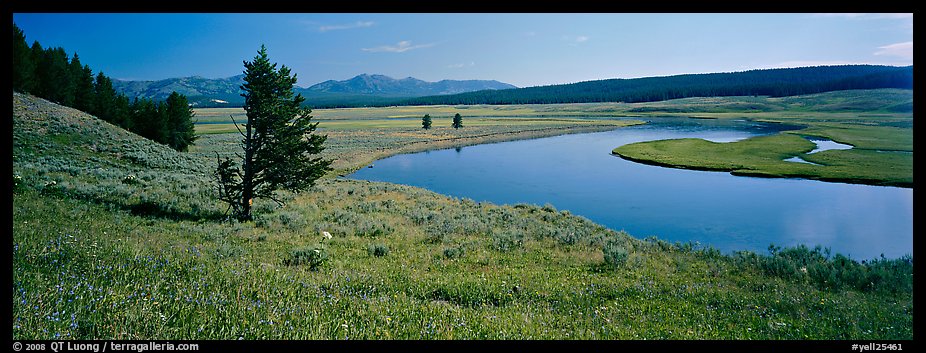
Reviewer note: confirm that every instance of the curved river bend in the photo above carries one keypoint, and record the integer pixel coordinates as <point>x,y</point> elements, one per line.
<point>578,173</point>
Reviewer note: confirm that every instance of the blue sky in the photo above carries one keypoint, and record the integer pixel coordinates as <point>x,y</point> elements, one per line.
<point>521,49</point>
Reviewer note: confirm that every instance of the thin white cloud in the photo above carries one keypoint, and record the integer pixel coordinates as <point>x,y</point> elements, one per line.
<point>358,24</point>
<point>400,47</point>
<point>901,50</point>
<point>575,40</point>
<point>461,65</point>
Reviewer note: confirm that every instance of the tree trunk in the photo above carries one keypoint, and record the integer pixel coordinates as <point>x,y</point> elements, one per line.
<point>247,191</point>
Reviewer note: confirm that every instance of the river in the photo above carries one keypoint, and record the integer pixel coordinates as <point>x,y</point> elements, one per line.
<point>578,173</point>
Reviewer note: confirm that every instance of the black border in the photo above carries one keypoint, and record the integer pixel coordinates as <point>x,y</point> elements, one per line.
<point>455,6</point>
<point>440,346</point>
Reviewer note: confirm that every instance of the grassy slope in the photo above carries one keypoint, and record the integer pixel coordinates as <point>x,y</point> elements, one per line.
<point>99,255</point>
<point>882,141</point>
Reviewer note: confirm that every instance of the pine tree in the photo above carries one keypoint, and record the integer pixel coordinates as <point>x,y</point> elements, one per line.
<point>179,122</point>
<point>37,55</point>
<point>54,78</point>
<point>23,66</point>
<point>426,121</point>
<point>457,121</point>
<point>148,120</point>
<point>122,112</point>
<point>82,77</point>
<point>104,102</point>
<point>280,148</point>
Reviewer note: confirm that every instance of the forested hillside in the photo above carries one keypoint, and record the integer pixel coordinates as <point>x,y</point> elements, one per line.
<point>49,73</point>
<point>767,82</point>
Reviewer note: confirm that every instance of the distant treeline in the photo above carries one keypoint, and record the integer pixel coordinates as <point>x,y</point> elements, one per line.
<point>50,74</point>
<point>765,82</point>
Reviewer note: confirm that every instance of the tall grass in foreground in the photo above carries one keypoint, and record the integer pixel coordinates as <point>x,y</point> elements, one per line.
<point>89,271</point>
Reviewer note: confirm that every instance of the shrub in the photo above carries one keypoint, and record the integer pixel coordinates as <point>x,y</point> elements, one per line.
<point>292,220</point>
<point>130,179</point>
<point>566,237</point>
<point>833,273</point>
<point>422,216</point>
<point>373,229</point>
<point>378,250</point>
<point>439,231</point>
<point>615,255</point>
<point>359,225</point>
<point>226,250</point>
<point>454,253</point>
<point>264,206</point>
<point>507,240</point>
<point>313,256</point>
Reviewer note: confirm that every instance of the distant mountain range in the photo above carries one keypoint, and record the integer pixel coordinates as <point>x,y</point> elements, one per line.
<point>360,90</point>
<point>406,87</point>
<point>199,90</point>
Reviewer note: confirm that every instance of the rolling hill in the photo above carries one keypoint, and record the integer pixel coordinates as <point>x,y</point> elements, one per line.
<point>407,87</point>
<point>199,90</point>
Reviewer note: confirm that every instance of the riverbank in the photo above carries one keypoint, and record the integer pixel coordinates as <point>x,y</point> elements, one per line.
<point>358,158</point>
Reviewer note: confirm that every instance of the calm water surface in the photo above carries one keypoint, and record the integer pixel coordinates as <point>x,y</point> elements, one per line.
<point>578,173</point>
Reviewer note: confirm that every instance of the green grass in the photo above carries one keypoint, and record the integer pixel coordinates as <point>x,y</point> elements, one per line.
<point>98,255</point>
<point>885,138</point>
<point>128,277</point>
<point>764,156</point>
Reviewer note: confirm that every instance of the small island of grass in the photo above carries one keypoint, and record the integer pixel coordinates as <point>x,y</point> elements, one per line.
<point>881,155</point>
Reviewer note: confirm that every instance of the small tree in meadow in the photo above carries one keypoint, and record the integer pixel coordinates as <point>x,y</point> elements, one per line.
<point>457,121</point>
<point>426,121</point>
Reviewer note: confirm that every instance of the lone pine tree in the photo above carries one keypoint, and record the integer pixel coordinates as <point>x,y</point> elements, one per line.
<point>280,148</point>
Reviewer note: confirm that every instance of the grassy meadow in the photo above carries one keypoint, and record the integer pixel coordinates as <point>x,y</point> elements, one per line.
<point>115,237</point>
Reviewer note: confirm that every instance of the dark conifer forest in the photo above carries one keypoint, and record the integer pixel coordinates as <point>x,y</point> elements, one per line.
<point>766,82</point>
